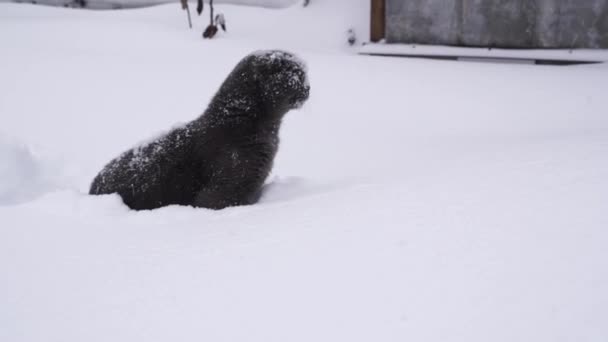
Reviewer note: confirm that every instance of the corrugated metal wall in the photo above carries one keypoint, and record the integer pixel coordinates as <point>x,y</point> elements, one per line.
<point>499,23</point>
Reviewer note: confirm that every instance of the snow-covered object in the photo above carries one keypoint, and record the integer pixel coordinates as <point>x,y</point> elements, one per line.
<point>223,157</point>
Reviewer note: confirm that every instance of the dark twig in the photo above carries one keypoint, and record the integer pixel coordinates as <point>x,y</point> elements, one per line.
<point>211,12</point>
<point>187,8</point>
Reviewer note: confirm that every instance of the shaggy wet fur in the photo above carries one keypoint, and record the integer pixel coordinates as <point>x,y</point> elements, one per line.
<point>222,158</point>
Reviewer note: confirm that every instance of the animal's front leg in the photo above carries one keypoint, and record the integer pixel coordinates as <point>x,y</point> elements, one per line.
<point>219,197</point>
<point>233,181</point>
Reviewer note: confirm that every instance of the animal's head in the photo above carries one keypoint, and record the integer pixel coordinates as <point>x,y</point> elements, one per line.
<point>281,78</point>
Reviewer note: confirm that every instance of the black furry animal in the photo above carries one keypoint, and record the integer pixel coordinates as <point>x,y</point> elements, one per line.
<point>223,157</point>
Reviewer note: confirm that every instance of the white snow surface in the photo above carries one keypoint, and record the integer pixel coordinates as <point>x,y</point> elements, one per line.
<point>411,200</point>
<point>22,175</point>
<point>115,4</point>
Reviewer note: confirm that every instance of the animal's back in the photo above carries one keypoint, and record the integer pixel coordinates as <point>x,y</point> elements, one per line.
<point>153,175</point>
<point>196,165</point>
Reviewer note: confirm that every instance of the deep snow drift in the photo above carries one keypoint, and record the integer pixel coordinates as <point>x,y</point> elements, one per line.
<point>22,175</point>
<point>411,199</point>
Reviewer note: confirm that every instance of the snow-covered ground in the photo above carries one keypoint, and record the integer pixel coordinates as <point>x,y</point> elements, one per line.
<point>117,4</point>
<point>411,200</point>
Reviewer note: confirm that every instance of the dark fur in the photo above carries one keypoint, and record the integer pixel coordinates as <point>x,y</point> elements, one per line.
<point>222,158</point>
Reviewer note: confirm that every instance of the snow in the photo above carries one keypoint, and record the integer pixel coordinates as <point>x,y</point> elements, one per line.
<point>410,200</point>
<point>113,4</point>
<point>22,175</point>
<point>272,55</point>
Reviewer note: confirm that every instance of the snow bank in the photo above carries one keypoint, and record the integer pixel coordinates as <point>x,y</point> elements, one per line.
<point>115,4</point>
<point>22,175</point>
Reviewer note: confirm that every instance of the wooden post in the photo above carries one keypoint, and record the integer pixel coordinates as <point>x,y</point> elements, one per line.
<point>378,20</point>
